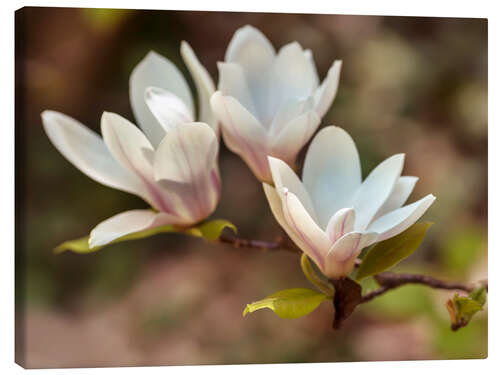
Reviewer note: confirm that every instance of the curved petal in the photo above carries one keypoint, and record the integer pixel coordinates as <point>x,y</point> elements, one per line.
<point>87,151</point>
<point>288,112</point>
<point>297,217</point>
<point>132,150</point>
<point>204,86</point>
<point>285,179</point>
<point>186,153</point>
<point>287,144</point>
<point>325,94</point>
<point>340,223</point>
<point>397,221</point>
<point>125,223</point>
<point>276,206</point>
<point>155,70</point>
<point>342,255</point>
<point>375,190</point>
<point>232,82</point>
<point>332,172</point>
<point>309,55</point>
<point>399,195</point>
<point>169,109</point>
<point>184,163</point>
<point>242,133</point>
<point>250,49</point>
<point>293,75</point>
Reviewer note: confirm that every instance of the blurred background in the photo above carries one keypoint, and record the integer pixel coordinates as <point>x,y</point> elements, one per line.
<point>412,85</point>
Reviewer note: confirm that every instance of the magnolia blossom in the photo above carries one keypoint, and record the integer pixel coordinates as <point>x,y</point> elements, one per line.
<point>179,177</point>
<point>160,96</point>
<point>270,103</point>
<point>332,214</point>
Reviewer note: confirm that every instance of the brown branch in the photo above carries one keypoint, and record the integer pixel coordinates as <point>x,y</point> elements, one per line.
<point>282,243</point>
<point>389,281</point>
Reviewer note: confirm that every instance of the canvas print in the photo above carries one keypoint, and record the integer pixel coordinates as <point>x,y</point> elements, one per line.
<point>201,187</point>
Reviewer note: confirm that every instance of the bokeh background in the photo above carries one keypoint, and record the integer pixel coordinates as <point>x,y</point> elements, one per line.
<point>413,85</point>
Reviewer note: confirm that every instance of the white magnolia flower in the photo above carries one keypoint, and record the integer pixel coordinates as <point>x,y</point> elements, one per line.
<point>179,178</point>
<point>331,214</point>
<point>270,103</point>
<point>160,96</point>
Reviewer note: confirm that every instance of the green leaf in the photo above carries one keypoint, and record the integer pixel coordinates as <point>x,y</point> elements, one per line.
<point>388,253</point>
<point>210,230</point>
<point>289,303</point>
<point>463,308</point>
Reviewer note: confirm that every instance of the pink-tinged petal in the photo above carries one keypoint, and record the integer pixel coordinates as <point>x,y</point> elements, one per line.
<point>184,163</point>
<point>127,223</point>
<point>132,150</point>
<point>340,223</point>
<point>342,255</point>
<point>332,172</point>
<point>232,82</point>
<point>288,143</point>
<point>284,178</point>
<point>375,190</point>
<point>155,70</point>
<point>87,151</point>
<point>325,94</point>
<point>293,75</point>
<point>399,195</point>
<point>276,206</point>
<point>397,221</point>
<point>243,134</point>
<point>204,86</point>
<point>168,108</point>
<point>316,241</point>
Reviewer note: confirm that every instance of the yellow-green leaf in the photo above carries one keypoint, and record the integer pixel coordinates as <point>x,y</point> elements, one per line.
<point>289,303</point>
<point>210,230</point>
<point>463,308</point>
<point>388,253</point>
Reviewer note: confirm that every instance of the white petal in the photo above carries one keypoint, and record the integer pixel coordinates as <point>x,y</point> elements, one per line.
<point>287,144</point>
<point>342,255</point>
<point>340,223</point>
<point>399,195</point>
<point>250,49</point>
<point>397,221</point>
<point>186,153</point>
<point>325,94</point>
<point>232,82</point>
<point>309,55</point>
<point>204,86</point>
<point>185,162</point>
<point>155,70</point>
<point>168,108</point>
<point>285,179</point>
<point>132,150</point>
<point>297,217</point>
<point>243,134</point>
<point>332,172</point>
<point>375,190</point>
<point>293,75</point>
<point>126,223</point>
<point>87,151</point>
<point>277,209</point>
<point>290,111</point>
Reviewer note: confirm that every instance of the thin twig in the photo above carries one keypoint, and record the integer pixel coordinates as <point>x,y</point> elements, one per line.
<point>389,280</point>
<point>258,244</point>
